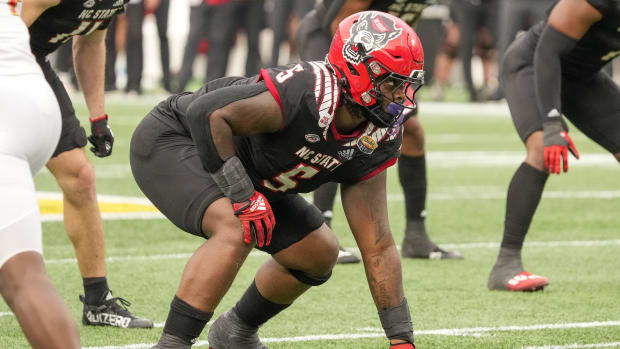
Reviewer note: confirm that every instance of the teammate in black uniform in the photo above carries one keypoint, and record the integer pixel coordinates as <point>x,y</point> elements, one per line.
<point>227,161</point>
<point>50,26</point>
<point>556,69</point>
<point>313,38</point>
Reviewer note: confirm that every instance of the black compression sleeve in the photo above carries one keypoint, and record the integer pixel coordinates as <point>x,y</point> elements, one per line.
<point>548,70</point>
<point>199,112</point>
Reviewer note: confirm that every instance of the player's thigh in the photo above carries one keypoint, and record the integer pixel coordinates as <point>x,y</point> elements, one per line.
<point>413,137</point>
<point>312,42</point>
<point>300,239</point>
<point>594,108</point>
<point>20,225</point>
<point>72,135</point>
<point>167,168</point>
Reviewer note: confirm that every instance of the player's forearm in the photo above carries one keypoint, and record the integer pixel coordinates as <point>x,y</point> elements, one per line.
<point>89,62</point>
<point>548,71</point>
<point>384,275</point>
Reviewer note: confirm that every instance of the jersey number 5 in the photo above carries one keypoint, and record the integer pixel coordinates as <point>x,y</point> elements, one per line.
<point>85,28</point>
<point>287,179</point>
<point>285,75</point>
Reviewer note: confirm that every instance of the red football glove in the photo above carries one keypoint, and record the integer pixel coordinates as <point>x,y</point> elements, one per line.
<point>402,346</point>
<point>557,144</point>
<point>257,219</point>
<point>559,152</point>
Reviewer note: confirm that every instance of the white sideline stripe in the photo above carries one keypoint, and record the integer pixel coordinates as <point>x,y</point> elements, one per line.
<point>256,253</point>
<point>577,346</point>
<point>6,314</point>
<point>436,159</point>
<point>379,333</point>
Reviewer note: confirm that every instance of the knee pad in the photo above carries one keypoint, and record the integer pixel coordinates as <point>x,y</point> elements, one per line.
<point>308,279</point>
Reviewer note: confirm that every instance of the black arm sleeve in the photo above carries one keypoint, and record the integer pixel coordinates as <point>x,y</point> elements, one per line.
<point>548,70</point>
<point>199,112</point>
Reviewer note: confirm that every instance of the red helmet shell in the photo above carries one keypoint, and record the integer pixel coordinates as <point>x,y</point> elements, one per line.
<point>386,38</point>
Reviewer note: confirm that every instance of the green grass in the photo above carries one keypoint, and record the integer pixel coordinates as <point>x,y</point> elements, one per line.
<point>585,281</point>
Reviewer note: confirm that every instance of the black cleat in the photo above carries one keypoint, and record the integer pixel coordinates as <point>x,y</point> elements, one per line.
<point>112,312</point>
<point>229,332</point>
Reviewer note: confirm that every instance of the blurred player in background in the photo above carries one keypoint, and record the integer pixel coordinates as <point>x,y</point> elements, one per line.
<point>51,24</point>
<point>228,161</point>
<point>29,132</point>
<point>555,70</point>
<point>313,42</point>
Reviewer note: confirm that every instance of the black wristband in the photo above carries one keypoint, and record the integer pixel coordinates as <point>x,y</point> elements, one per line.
<point>233,180</point>
<point>396,322</point>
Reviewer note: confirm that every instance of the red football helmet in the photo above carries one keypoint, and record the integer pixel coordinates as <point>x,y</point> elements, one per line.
<point>371,48</point>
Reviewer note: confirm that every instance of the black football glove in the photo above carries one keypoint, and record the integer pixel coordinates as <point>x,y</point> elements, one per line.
<point>101,136</point>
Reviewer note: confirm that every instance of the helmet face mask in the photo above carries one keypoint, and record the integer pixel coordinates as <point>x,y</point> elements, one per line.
<point>379,60</point>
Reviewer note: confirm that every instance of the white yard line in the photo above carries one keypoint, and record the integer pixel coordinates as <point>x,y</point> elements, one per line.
<point>378,333</point>
<point>435,159</point>
<point>256,253</point>
<point>578,346</point>
<point>6,314</point>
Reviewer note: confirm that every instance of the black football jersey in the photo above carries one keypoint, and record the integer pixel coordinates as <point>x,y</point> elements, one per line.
<point>71,17</point>
<point>308,151</point>
<point>599,45</point>
<point>407,10</point>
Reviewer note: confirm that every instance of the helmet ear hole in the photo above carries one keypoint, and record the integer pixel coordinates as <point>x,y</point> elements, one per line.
<point>352,69</point>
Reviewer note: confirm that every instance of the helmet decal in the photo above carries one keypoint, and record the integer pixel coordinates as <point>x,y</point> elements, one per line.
<point>373,30</point>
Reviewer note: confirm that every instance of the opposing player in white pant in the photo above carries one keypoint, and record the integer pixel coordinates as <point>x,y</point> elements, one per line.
<point>29,133</point>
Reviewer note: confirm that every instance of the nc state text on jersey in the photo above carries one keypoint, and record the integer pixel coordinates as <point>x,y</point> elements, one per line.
<point>326,161</point>
<point>98,14</point>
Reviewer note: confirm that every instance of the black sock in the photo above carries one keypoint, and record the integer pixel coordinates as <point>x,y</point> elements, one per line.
<point>95,289</point>
<point>185,321</point>
<point>412,175</point>
<point>254,309</point>
<point>324,196</point>
<point>524,194</point>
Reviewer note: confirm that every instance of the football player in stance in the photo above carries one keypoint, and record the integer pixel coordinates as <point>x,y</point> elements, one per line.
<point>313,40</point>
<point>555,70</point>
<point>29,132</point>
<point>227,162</point>
<point>52,23</point>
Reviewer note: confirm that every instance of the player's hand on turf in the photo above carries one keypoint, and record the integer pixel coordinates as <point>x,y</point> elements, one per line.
<point>101,136</point>
<point>257,218</point>
<point>402,346</point>
<point>557,144</point>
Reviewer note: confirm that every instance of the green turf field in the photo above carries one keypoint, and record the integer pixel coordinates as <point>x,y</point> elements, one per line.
<point>472,154</point>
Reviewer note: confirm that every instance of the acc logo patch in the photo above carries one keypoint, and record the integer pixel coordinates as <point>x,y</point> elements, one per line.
<point>367,144</point>
<point>374,31</point>
<point>312,138</point>
<point>89,3</point>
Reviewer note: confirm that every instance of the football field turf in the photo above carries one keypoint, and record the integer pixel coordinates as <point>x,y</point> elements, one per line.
<point>472,153</point>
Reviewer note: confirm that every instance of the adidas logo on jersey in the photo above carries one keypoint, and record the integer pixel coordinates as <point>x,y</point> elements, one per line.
<point>346,154</point>
<point>118,3</point>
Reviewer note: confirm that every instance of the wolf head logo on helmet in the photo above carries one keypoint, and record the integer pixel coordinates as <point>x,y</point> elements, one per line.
<point>378,60</point>
<point>373,31</point>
